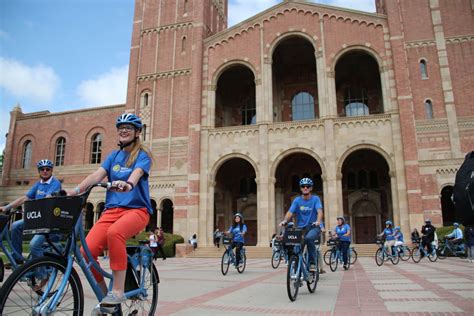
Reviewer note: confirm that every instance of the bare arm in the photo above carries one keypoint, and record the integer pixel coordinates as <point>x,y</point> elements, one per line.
<point>91,179</point>
<point>14,204</point>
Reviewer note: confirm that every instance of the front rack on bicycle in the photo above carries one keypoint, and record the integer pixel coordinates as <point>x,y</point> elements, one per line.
<point>293,237</point>
<point>228,239</point>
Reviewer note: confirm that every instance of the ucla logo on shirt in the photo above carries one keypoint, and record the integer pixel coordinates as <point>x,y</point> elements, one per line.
<point>116,168</point>
<point>302,208</point>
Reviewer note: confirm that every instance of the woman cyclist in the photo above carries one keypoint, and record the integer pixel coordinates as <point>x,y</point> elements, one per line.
<point>127,206</point>
<point>238,229</point>
<point>343,232</point>
<point>389,236</point>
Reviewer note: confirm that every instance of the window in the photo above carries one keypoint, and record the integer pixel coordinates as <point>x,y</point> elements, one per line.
<point>249,112</point>
<point>144,132</point>
<point>362,179</point>
<point>351,181</point>
<point>356,101</point>
<point>302,106</point>
<point>423,69</point>
<point>183,44</point>
<point>96,148</point>
<point>27,152</point>
<point>185,6</point>
<point>60,149</point>
<point>374,180</point>
<point>145,99</point>
<point>429,109</point>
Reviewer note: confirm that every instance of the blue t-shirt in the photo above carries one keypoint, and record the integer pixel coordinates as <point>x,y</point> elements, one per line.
<point>306,211</point>
<point>341,231</point>
<point>41,190</point>
<point>236,232</point>
<point>116,168</point>
<point>388,233</point>
<point>399,236</point>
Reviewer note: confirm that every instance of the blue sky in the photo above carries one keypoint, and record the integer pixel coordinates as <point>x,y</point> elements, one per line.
<point>60,55</point>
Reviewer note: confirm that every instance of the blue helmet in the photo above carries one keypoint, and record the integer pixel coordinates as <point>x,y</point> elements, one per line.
<point>456,224</point>
<point>397,228</point>
<point>44,163</point>
<point>389,223</point>
<point>306,181</point>
<point>129,118</point>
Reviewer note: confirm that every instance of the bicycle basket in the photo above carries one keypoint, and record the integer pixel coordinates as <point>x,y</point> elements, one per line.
<point>227,239</point>
<point>293,237</point>
<point>52,215</point>
<point>3,221</point>
<point>277,243</point>
<point>379,241</point>
<point>332,242</point>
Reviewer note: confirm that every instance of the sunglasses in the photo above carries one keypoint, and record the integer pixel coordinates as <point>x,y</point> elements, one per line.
<point>305,186</point>
<point>45,169</point>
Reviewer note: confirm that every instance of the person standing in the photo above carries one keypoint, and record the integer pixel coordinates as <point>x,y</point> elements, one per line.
<point>46,185</point>
<point>152,239</point>
<point>160,242</point>
<point>469,234</point>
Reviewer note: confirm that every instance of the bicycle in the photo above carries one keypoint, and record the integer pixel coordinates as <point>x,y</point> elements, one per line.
<point>229,257</point>
<point>298,264</point>
<point>403,252</point>
<point>335,255</point>
<point>384,254</point>
<point>327,254</point>
<point>279,254</point>
<point>447,248</point>
<point>61,290</point>
<point>419,252</point>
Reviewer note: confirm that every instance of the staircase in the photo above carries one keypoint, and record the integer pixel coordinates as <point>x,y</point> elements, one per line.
<point>254,252</point>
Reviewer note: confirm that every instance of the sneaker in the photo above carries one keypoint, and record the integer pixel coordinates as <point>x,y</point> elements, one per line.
<point>113,299</point>
<point>346,267</point>
<point>312,267</point>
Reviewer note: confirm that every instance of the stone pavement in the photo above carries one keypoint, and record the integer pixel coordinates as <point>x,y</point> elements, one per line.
<point>197,287</point>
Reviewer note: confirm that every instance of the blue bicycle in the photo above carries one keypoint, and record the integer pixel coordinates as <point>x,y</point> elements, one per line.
<point>384,254</point>
<point>447,248</point>
<point>335,255</point>
<point>279,252</point>
<point>228,257</point>
<point>298,265</point>
<point>419,252</point>
<point>60,291</point>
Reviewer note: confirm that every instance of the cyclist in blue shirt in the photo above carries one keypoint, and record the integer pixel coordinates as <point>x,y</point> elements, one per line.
<point>47,185</point>
<point>309,214</point>
<point>343,232</point>
<point>238,230</point>
<point>398,237</point>
<point>389,236</point>
<point>456,236</point>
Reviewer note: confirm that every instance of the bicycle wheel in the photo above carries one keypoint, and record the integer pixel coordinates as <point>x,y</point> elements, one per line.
<point>276,259</point>
<point>416,255</point>
<point>433,256</point>
<point>405,254</point>
<point>243,259</point>
<point>327,256</point>
<point>23,293</point>
<point>225,263</point>
<point>333,260</point>
<point>395,259</point>
<point>353,256</point>
<point>2,270</point>
<point>442,252</point>
<point>312,283</point>
<point>379,257</point>
<point>292,278</point>
<point>144,305</point>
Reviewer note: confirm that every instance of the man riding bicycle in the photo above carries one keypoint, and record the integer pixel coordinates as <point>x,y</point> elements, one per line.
<point>47,185</point>
<point>309,213</point>
<point>456,236</point>
<point>428,235</point>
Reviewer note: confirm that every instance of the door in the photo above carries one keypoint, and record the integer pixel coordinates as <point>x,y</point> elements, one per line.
<point>365,229</point>
<point>251,234</point>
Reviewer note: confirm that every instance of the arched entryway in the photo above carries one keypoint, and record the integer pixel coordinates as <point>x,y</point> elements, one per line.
<point>89,218</point>
<point>167,215</point>
<point>236,190</point>
<point>295,88</point>
<point>100,209</point>
<point>447,206</point>
<point>366,191</point>
<point>153,222</point>
<point>288,174</point>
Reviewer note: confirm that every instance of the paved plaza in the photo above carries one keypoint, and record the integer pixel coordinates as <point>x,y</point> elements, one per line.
<point>197,287</point>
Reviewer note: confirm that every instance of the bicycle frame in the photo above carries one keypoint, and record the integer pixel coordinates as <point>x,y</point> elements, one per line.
<point>4,235</point>
<point>232,255</point>
<point>455,249</point>
<point>303,260</point>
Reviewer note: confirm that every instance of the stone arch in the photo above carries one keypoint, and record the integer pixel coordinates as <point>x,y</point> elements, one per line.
<point>378,149</point>
<point>370,51</point>
<point>217,164</point>
<point>229,64</point>
<point>278,39</point>
<point>297,150</point>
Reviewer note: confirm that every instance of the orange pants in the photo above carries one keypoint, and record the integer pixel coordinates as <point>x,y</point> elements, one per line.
<point>112,230</point>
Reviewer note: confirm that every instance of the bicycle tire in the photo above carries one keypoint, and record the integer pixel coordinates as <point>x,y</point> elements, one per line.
<point>276,259</point>
<point>406,253</point>
<point>293,278</point>
<point>433,257</point>
<point>313,281</point>
<point>442,253</point>
<point>395,259</point>
<point>333,260</point>
<point>416,255</point>
<point>243,257</point>
<point>379,259</point>
<point>139,306</point>
<point>22,281</point>
<point>225,262</point>
<point>327,256</point>
<point>2,270</point>
<point>353,256</point>
<point>463,255</point>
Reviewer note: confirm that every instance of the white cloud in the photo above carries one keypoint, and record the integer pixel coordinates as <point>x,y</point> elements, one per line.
<point>106,88</point>
<point>38,83</point>
<point>240,10</point>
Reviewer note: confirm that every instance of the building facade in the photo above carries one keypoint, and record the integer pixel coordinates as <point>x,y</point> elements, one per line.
<point>374,107</point>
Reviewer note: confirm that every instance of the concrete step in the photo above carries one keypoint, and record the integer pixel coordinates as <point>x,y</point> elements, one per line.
<point>254,252</point>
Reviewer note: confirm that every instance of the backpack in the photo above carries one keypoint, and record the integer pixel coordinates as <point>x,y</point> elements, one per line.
<point>463,192</point>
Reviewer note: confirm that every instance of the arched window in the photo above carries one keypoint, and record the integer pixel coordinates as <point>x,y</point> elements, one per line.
<point>302,107</point>
<point>144,132</point>
<point>185,6</point>
<point>429,109</point>
<point>60,150</point>
<point>145,99</point>
<point>96,148</point>
<point>183,44</point>
<point>423,69</point>
<point>356,101</point>
<point>27,152</point>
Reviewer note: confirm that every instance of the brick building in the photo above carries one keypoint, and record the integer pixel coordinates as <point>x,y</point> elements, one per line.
<point>375,107</point>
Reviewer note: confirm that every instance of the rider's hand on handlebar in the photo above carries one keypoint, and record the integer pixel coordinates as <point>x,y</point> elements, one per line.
<point>283,223</point>
<point>121,186</point>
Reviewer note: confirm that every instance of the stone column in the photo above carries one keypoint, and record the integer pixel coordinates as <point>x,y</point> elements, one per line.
<point>267,87</point>
<point>263,197</point>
